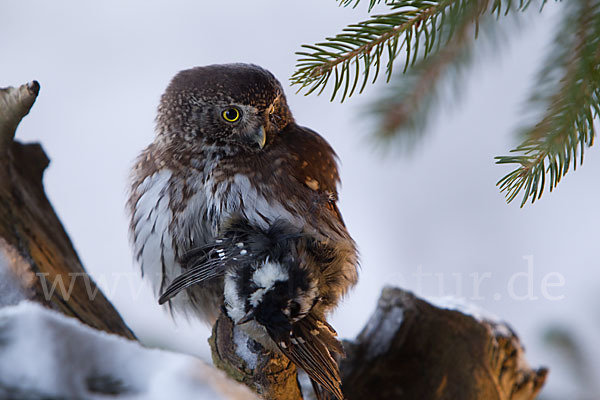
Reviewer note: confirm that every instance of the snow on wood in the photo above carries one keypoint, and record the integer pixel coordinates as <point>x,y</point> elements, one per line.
<point>44,354</point>
<point>436,353</point>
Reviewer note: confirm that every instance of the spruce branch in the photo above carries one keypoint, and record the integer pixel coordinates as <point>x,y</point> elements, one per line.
<point>568,92</point>
<point>413,28</point>
<point>354,3</point>
<point>404,109</point>
<point>434,39</point>
<point>411,100</point>
<point>365,43</point>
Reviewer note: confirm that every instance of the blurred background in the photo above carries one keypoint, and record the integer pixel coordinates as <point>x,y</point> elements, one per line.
<point>430,220</point>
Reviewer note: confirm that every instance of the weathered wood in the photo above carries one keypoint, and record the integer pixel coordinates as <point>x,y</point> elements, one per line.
<point>272,375</point>
<point>15,103</point>
<point>411,349</point>
<point>31,235</point>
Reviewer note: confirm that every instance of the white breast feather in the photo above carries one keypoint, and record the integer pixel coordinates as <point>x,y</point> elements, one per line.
<point>235,304</point>
<point>159,240</point>
<point>223,199</point>
<point>152,236</point>
<point>158,243</point>
<point>267,274</point>
<point>191,229</point>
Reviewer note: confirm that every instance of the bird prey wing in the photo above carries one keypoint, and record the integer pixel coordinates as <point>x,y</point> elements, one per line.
<point>207,262</point>
<point>310,345</point>
<point>240,244</point>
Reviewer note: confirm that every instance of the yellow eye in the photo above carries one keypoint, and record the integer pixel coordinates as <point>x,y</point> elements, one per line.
<point>231,114</point>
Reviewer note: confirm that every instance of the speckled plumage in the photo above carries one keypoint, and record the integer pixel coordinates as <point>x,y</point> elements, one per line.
<point>201,171</point>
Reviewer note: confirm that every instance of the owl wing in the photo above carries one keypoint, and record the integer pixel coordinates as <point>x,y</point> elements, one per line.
<point>315,161</point>
<point>314,164</point>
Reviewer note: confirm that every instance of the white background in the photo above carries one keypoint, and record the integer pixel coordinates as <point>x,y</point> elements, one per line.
<point>103,65</point>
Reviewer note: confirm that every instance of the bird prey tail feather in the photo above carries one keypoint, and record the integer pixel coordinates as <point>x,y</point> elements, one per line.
<point>310,345</point>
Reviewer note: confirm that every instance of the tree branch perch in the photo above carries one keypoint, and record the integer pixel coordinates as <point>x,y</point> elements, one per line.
<point>409,349</point>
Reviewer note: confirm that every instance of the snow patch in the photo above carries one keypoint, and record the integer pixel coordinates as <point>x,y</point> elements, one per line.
<point>242,341</point>
<point>457,304</point>
<point>46,354</point>
<point>14,276</point>
<point>381,327</point>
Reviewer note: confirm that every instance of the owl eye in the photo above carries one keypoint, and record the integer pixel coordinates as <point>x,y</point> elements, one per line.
<point>231,114</point>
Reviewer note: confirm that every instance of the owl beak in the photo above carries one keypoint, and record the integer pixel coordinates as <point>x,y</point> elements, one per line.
<point>261,136</point>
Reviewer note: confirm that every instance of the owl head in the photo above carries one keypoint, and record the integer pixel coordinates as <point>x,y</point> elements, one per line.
<point>240,106</point>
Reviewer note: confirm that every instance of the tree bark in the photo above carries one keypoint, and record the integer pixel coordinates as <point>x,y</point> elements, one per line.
<point>270,374</point>
<point>411,349</point>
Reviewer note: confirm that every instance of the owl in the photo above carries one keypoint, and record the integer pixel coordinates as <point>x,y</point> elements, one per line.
<point>234,206</point>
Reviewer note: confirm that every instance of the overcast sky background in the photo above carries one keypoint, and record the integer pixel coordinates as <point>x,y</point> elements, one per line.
<point>103,66</point>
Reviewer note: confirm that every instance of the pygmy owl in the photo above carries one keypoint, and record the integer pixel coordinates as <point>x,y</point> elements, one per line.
<point>234,204</point>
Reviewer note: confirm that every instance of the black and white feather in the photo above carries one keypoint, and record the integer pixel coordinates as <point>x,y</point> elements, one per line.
<point>273,286</point>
